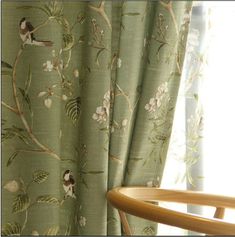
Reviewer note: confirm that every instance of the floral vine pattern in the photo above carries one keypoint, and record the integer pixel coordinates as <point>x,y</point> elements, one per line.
<point>23,203</point>
<point>158,109</point>
<point>68,78</point>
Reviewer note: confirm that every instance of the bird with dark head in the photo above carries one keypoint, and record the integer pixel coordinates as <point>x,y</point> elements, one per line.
<point>27,36</point>
<point>68,184</point>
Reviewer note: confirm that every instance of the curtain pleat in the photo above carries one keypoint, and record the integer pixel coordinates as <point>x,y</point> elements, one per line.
<point>98,104</point>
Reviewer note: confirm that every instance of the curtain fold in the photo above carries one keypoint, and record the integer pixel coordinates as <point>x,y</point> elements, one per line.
<point>91,112</point>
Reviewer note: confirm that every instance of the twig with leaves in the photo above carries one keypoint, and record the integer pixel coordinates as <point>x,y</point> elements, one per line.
<point>168,7</point>
<point>18,106</point>
<point>22,202</point>
<point>102,12</point>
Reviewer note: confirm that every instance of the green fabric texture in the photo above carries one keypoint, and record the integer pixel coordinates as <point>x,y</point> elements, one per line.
<point>99,103</point>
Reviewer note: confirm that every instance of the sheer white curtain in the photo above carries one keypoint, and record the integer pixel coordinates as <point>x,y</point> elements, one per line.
<point>206,100</point>
<point>218,98</point>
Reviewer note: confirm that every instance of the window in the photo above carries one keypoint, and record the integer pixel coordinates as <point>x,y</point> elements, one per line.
<point>204,159</point>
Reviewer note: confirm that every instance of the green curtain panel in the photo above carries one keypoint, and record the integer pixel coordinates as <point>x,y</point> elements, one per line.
<point>88,98</point>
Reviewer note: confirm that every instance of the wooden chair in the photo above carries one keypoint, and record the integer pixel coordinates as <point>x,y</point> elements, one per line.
<point>141,202</point>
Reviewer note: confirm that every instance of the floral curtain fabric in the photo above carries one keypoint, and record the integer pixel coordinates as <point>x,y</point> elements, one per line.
<point>88,98</point>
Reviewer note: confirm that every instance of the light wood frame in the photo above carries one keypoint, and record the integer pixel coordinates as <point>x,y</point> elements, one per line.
<point>142,202</point>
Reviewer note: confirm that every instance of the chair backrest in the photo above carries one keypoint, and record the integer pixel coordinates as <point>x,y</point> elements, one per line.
<point>142,202</point>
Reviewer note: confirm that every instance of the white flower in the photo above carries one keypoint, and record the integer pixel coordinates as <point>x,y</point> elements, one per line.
<point>100,110</point>
<point>163,88</point>
<point>193,40</point>
<point>64,97</point>
<point>95,116</point>
<point>119,62</point>
<point>53,53</point>
<point>152,101</point>
<point>82,221</point>
<point>48,103</point>
<point>150,184</point>
<point>159,103</point>
<point>61,64</point>
<point>186,17</point>
<point>106,104</point>
<point>42,93</point>
<point>151,106</point>
<point>34,232</point>
<point>76,73</point>
<point>48,66</point>
<point>145,41</point>
<point>107,95</point>
<point>12,186</point>
<point>147,107</point>
<point>124,122</point>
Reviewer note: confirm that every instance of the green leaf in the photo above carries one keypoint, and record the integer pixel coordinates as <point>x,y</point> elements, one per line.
<point>3,121</point>
<point>26,98</point>
<point>159,48</point>
<point>6,73</point>
<point>195,96</point>
<point>122,26</point>
<point>177,74</point>
<point>11,229</point>
<point>112,219</point>
<point>68,40</point>
<point>14,131</point>
<point>81,39</point>
<point>136,159</point>
<point>97,56</point>
<point>48,199</point>
<point>94,172</point>
<point>148,230</point>
<point>52,231</point>
<point>73,109</point>
<point>104,129</point>
<point>6,135</point>
<point>200,177</point>
<point>63,21</point>
<point>6,65</point>
<point>40,176</point>
<point>85,183</point>
<point>139,89</point>
<point>28,81</point>
<point>131,14</point>
<point>48,10</point>
<point>21,203</point>
<point>68,230</point>
<point>12,157</point>
<point>81,18</point>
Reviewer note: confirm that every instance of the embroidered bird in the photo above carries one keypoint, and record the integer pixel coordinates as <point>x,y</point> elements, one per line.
<point>27,37</point>
<point>68,184</point>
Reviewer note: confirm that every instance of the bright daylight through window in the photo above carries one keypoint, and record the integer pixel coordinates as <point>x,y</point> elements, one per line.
<point>212,169</point>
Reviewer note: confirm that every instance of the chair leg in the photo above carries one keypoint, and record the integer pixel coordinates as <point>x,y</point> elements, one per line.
<point>125,224</point>
<point>219,213</point>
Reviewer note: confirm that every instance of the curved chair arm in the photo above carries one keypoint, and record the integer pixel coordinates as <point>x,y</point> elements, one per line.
<point>135,201</point>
